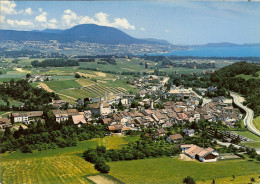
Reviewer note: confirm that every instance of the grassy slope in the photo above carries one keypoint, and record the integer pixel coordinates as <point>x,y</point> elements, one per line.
<point>256,122</point>
<point>167,170</point>
<point>62,165</point>
<point>249,135</point>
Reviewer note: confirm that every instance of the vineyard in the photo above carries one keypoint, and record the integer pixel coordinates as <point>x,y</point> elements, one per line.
<point>100,90</point>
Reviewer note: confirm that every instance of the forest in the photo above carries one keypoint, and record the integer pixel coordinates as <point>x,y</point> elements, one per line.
<point>54,63</point>
<point>22,91</point>
<point>227,78</point>
<point>48,135</point>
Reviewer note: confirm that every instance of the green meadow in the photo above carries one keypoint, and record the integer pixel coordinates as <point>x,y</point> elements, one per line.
<point>168,170</point>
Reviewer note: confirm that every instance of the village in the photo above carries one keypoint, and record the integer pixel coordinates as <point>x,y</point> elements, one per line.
<point>152,107</point>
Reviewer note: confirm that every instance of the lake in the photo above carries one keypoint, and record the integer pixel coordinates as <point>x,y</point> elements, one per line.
<point>216,51</point>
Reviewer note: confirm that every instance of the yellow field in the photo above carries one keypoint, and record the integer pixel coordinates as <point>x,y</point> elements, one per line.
<point>237,180</point>
<point>84,82</point>
<point>47,170</point>
<point>58,166</point>
<point>114,142</point>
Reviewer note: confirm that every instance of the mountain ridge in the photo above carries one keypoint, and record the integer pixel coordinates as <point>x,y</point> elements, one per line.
<point>84,32</point>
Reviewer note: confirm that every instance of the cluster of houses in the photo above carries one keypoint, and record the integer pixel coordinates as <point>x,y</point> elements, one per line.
<point>151,83</point>
<point>216,110</point>
<point>38,78</point>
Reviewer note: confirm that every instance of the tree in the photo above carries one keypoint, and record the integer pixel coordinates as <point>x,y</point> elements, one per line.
<point>26,149</point>
<point>28,75</point>
<point>146,65</point>
<point>252,179</point>
<point>189,180</point>
<point>213,181</point>
<point>77,75</point>
<point>233,176</point>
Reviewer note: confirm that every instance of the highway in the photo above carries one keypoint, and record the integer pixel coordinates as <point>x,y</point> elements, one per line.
<point>248,120</point>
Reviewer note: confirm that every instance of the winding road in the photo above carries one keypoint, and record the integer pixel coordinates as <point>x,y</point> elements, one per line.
<point>248,120</point>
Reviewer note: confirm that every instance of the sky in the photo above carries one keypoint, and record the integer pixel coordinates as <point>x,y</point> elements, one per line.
<point>179,22</point>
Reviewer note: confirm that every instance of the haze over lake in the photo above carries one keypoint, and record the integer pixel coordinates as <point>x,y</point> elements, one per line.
<point>216,51</point>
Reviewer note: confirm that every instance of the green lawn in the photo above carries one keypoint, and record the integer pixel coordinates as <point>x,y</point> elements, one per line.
<point>249,135</point>
<point>256,122</point>
<point>61,165</point>
<point>167,170</point>
<point>61,85</point>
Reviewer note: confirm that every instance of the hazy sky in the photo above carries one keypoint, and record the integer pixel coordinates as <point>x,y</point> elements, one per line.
<point>179,22</point>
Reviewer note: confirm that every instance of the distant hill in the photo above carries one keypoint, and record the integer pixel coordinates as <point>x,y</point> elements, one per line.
<point>85,32</point>
<point>227,44</point>
<point>157,40</point>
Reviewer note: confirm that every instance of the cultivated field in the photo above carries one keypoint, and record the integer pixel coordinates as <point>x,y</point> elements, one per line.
<point>167,170</point>
<point>62,165</point>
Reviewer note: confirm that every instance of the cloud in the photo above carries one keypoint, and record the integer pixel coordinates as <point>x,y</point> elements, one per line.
<point>142,29</point>
<point>42,17</point>
<point>123,23</point>
<point>19,22</point>
<point>28,11</point>
<point>40,10</point>
<point>166,31</point>
<point>52,24</point>
<point>70,19</point>
<point>2,18</point>
<point>8,7</point>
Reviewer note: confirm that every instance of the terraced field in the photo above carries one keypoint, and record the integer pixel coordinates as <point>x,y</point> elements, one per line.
<point>100,90</point>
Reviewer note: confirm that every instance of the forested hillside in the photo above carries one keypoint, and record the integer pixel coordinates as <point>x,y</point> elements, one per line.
<point>227,78</point>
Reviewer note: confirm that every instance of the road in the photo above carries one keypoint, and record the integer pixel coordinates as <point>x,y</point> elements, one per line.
<point>248,120</point>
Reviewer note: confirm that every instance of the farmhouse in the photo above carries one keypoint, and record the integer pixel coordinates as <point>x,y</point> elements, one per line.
<point>203,155</point>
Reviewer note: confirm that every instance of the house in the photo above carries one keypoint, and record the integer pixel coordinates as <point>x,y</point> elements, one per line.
<point>63,115</point>
<point>58,103</point>
<point>160,132</point>
<point>87,114</point>
<point>25,117</point>
<point>78,119</point>
<point>102,108</point>
<point>174,138</point>
<point>203,155</point>
<point>4,123</point>
<point>115,128</point>
<point>107,121</point>
<point>189,133</point>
